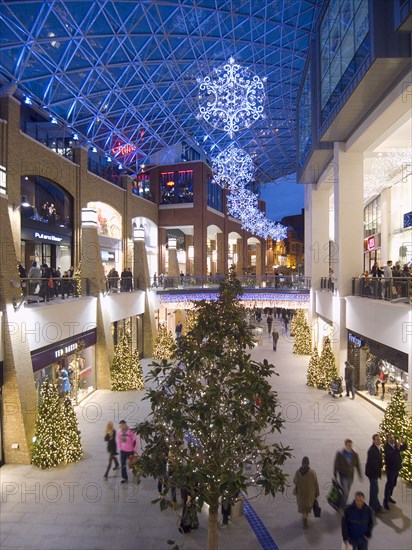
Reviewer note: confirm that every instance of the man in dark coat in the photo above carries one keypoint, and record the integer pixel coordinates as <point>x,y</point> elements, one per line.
<point>349,379</point>
<point>393,462</point>
<point>357,523</point>
<point>373,471</point>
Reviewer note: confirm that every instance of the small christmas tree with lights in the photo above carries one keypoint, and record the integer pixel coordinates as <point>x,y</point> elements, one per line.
<point>313,369</point>
<point>406,471</point>
<point>77,284</point>
<point>49,439</point>
<point>297,319</point>
<point>191,320</point>
<point>327,366</point>
<point>126,372</point>
<point>302,344</point>
<point>73,450</point>
<point>397,422</point>
<point>395,419</point>
<point>164,347</point>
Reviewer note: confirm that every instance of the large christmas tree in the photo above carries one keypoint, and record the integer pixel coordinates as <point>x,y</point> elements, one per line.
<point>302,344</point>
<point>313,369</point>
<point>164,347</point>
<point>73,451</point>
<point>327,366</point>
<point>49,439</point>
<point>397,422</point>
<point>126,372</point>
<point>207,397</point>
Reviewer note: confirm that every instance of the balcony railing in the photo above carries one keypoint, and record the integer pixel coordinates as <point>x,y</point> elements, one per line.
<point>121,284</point>
<point>394,289</point>
<point>44,290</point>
<point>282,283</point>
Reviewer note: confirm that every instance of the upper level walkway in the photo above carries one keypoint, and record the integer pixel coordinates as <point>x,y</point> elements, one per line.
<point>289,292</point>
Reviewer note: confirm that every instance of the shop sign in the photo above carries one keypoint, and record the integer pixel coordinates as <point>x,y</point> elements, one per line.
<point>46,237</point>
<point>179,236</point>
<point>371,243</point>
<point>47,356</point>
<point>66,349</point>
<point>356,340</point>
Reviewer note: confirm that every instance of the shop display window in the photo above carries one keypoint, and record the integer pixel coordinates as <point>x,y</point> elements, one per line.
<point>80,367</point>
<point>382,378</point>
<point>48,203</point>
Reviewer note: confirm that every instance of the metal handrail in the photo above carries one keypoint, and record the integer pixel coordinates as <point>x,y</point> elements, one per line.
<point>272,282</point>
<point>391,289</point>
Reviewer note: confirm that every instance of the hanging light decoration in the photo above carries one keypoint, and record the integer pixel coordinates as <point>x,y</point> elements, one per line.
<point>387,169</point>
<point>240,200</point>
<point>232,167</point>
<point>231,97</point>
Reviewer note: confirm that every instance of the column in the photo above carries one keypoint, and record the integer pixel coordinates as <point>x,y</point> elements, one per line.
<point>240,257</point>
<point>92,269</point>
<point>173,269</point>
<point>189,254</point>
<point>258,259</point>
<point>347,256</point>
<point>19,391</point>
<point>141,270</point>
<point>221,254</point>
<point>200,250</point>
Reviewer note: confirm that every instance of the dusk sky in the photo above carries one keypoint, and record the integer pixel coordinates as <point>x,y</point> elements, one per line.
<point>283,197</point>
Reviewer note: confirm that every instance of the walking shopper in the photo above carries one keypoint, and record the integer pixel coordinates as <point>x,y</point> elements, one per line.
<point>127,443</point>
<point>346,461</point>
<point>269,321</point>
<point>349,379</point>
<point>306,489</point>
<point>275,338</point>
<point>110,437</point>
<point>357,524</point>
<point>393,462</point>
<point>373,471</point>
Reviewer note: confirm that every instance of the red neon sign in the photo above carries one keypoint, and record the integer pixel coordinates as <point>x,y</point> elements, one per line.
<point>123,149</point>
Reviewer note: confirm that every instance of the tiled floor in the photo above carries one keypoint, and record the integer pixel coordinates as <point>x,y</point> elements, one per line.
<point>73,507</point>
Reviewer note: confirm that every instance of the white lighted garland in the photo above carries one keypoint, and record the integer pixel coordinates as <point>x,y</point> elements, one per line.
<point>387,169</point>
<point>231,97</point>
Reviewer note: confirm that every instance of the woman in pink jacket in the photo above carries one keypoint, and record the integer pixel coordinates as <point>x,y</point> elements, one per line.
<point>127,444</point>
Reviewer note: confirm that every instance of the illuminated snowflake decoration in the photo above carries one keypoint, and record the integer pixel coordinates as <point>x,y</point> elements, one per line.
<point>239,201</point>
<point>231,97</point>
<point>233,168</point>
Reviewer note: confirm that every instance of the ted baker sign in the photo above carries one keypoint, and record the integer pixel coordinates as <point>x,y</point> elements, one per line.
<point>67,349</point>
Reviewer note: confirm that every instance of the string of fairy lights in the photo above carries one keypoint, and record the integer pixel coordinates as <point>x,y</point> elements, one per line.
<point>232,98</point>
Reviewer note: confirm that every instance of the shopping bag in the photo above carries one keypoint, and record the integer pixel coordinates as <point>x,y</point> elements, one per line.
<point>50,283</point>
<point>335,496</point>
<point>317,510</point>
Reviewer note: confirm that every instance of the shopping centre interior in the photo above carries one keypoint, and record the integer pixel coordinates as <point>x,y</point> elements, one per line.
<point>107,178</point>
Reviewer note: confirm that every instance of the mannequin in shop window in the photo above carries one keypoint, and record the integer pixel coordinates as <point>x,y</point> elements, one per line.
<point>381,381</point>
<point>63,376</point>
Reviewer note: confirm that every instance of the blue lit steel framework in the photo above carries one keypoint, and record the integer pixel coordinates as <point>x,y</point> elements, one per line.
<point>125,71</point>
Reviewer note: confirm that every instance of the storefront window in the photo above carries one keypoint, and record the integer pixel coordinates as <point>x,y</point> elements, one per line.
<point>80,368</point>
<point>376,377</point>
<point>176,187</point>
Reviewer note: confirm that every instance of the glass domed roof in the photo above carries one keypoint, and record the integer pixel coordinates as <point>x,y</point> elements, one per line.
<point>127,71</point>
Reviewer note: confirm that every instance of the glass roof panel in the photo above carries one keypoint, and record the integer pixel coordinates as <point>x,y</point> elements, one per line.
<point>110,67</point>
